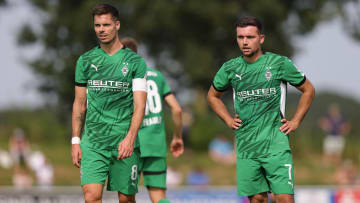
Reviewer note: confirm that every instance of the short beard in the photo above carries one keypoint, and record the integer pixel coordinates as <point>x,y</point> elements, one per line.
<point>251,54</point>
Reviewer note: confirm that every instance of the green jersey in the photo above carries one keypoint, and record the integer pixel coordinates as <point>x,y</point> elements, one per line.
<point>110,97</point>
<point>152,134</point>
<point>259,93</point>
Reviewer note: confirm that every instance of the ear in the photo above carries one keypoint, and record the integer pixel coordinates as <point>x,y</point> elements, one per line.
<point>117,24</point>
<point>262,38</point>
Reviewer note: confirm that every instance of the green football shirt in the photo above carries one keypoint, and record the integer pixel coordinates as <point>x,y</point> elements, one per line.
<point>259,93</point>
<point>152,135</point>
<point>110,97</point>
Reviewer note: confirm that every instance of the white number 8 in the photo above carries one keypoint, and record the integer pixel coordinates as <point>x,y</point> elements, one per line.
<point>153,102</point>
<point>134,172</point>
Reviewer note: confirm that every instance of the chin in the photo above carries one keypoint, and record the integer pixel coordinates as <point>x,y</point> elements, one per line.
<point>105,41</point>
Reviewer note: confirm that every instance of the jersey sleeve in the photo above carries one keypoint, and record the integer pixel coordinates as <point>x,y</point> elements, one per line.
<point>291,74</point>
<point>139,76</point>
<point>221,81</point>
<point>139,69</point>
<point>80,75</point>
<point>165,90</point>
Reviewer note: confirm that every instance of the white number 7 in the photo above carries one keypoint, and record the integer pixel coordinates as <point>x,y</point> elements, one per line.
<point>289,165</point>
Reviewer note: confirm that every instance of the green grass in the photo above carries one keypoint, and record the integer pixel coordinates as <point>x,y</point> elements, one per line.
<point>308,168</point>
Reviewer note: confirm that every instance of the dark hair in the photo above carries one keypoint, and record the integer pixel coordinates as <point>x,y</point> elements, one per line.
<point>250,21</point>
<point>130,43</point>
<point>101,9</point>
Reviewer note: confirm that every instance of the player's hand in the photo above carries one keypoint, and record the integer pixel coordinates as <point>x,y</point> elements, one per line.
<point>235,123</point>
<point>177,147</point>
<point>76,154</point>
<point>288,126</point>
<point>126,148</point>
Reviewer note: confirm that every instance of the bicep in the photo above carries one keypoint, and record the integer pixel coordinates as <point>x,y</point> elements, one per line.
<point>306,87</point>
<point>172,102</point>
<point>214,93</point>
<point>139,97</point>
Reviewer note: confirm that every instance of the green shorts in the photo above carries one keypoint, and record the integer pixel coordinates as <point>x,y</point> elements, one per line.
<point>154,171</point>
<point>97,165</point>
<point>274,173</point>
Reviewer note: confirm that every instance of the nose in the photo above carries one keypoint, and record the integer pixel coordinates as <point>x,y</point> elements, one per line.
<point>101,28</point>
<point>245,41</point>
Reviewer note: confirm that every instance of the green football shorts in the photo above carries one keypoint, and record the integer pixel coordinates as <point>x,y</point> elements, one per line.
<point>274,173</point>
<point>97,165</point>
<point>154,171</point>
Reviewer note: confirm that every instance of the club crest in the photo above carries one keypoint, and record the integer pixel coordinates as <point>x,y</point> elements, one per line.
<point>125,69</point>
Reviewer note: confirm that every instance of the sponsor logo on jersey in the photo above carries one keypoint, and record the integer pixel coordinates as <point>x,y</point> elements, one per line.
<point>95,67</point>
<point>125,69</point>
<point>108,85</point>
<point>238,76</point>
<point>256,94</point>
<point>268,74</point>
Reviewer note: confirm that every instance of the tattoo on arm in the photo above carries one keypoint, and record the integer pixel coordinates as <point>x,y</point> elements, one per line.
<point>81,119</point>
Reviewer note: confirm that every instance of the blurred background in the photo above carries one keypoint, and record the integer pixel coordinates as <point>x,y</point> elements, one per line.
<point>188,41</point>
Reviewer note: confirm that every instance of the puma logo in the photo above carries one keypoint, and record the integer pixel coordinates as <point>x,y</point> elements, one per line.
<point>93,66</point>
<point>238,76</point>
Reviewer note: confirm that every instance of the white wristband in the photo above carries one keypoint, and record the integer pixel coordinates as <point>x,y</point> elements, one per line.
<point>75,140</point>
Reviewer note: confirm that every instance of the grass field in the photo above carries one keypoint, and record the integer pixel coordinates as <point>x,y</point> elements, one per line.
<point>308,168</point>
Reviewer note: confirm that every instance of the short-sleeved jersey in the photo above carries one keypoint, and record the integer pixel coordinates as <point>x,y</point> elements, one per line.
<point>259,93</point>
<point>152,135</point>
<point>110,97</point>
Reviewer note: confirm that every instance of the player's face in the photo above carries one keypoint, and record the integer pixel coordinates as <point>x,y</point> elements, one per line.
<point>249,40</point>
<point>106,28</point>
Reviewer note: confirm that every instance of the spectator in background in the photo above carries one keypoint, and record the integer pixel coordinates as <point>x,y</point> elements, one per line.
<point>221,150</point>
<point>197,177</point>
<point>19,147</point>
<point>336,128</point>
<point>5,159</point>
<point>346,173</point>
<point>173,177</point>
<point>22,178</point>
<point>44,171</point>
<point>26,160</point>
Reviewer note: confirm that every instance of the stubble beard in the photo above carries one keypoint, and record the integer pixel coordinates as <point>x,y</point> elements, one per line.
<point>251,53</point>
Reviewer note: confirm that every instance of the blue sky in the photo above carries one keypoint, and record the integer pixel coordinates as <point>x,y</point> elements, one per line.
<point>328,56</point>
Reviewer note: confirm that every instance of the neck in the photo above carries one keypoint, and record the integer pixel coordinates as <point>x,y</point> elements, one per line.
<point>112,47</point>
<point>253,58</point>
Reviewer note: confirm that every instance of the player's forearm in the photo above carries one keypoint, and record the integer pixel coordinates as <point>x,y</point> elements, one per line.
<point>138,115</point>
<point>304,105</point>
<point>136,121</point>
<point>176,114</point>
<point>177,120</point>
<point>78,118</point>
<point>219,108</point>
